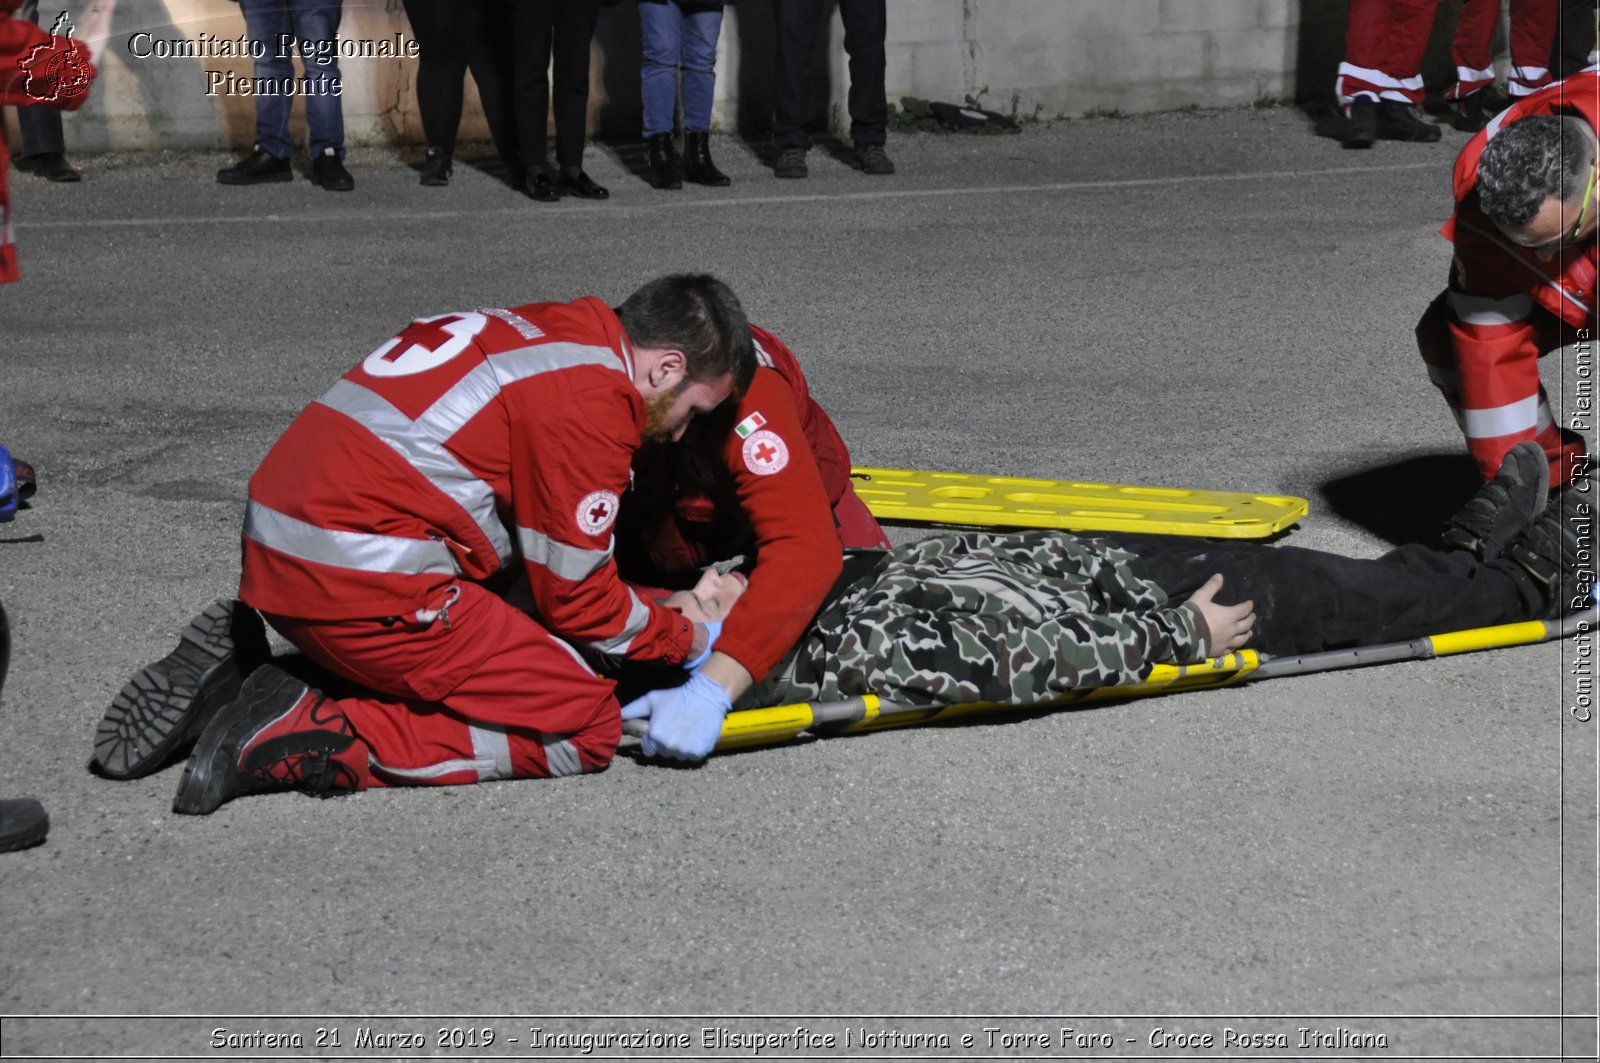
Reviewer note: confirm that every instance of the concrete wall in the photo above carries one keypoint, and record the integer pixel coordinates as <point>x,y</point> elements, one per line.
<point>1046,57</point>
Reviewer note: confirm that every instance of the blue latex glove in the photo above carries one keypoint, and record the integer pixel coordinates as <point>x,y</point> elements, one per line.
<point>685,721</point>
<point>713,629</point>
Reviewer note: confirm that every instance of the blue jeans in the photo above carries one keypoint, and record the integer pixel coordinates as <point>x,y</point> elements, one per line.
<point>674,34</point>
<point>277,25</point>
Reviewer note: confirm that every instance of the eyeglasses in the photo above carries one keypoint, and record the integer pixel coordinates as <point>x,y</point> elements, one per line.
<point>1583,210</point>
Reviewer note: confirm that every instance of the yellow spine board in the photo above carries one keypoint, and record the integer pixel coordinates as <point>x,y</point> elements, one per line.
<point>971,500</point>
<point>757,727</point>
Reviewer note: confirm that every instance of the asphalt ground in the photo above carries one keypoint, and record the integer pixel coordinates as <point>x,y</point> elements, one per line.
<point>1217,300</point>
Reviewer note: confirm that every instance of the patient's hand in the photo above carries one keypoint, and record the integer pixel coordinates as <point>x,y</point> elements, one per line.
<point>1230,626</point>
<point>711,599</point>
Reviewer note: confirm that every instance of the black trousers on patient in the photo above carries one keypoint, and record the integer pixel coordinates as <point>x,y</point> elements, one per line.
<point>1307,600</point>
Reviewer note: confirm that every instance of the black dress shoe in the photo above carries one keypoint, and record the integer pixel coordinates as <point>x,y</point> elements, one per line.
<point>697,164</point>
<point>665,172</point>
<point>1400,121</point>
<point>436,168</point>
<point>256,168</point>
<point>51,165</point>
<point>542,187</point>
<point>580,185</point>
<point>329,172</point>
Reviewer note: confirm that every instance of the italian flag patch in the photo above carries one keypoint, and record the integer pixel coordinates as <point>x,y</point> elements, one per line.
<point>745,427</point>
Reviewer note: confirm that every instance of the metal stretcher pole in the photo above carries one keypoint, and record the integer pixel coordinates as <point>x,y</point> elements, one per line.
<point>759,727</point>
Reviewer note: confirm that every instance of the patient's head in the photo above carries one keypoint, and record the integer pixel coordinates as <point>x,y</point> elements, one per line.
<point>711,598</point>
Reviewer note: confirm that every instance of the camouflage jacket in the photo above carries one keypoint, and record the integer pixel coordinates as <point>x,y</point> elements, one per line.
<point>978,616</point>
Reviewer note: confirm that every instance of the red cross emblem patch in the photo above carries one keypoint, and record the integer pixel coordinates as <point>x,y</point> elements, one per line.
<point>596,512</point>
<point>765,453</point>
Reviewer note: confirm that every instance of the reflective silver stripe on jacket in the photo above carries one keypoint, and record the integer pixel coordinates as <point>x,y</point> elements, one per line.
<point>421,441</point>
<point>569,562</point>
<point>524,362</point>
<point>622,641</point>
<point>361,551</point>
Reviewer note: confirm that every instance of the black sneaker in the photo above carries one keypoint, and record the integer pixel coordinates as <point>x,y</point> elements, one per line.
<point>436,168</point>
<point>23,823</point>
<point>259,167</point>
<point>1361,131</point>
<point>329,172</point>
<point>1477,110</point>
<point>164,707</point>
<point>1504,507</point>
<point>1401,121</point>
<point>278,734</point>
<point>1557,550</point>
<point>872,159</point>
<point>791,163</point>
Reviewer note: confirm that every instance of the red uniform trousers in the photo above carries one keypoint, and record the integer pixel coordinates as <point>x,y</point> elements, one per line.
<point>478,691</point>
<point>1533,32</point>
<point>1491,386</point>
<point>1383,46</point>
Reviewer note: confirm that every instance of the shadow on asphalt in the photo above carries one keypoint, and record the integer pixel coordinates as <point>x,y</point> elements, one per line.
<point>1406,501</point>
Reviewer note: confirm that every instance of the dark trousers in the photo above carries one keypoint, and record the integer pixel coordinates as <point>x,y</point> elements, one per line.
<point>1307,600</point>
<point>40,126</point>
<point>540,30</point>
<point>799,21</point>
<point>452,37</point>
<point>1574,37</point>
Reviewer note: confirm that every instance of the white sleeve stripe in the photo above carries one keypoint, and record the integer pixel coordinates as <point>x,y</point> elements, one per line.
<point>638,617</point>
<point>564,560</point>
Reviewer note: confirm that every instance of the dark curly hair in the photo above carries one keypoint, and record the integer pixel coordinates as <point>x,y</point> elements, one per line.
<point>698,315</point>
<point>1529,161</point>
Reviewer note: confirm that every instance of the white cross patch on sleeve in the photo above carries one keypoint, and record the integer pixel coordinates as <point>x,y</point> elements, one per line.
<point>596,512</point>
<point>765,453</point>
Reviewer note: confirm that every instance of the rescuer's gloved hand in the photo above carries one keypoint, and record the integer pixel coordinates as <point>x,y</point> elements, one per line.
<point>685,721</point>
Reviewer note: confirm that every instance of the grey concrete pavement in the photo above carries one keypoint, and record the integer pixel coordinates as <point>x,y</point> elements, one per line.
<point>1211,300</point>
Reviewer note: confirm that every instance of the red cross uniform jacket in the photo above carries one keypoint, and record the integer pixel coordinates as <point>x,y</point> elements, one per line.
<point>35,69</point>
<point>1495,288</point>
<point>469,444</point>
<point>762,475</point>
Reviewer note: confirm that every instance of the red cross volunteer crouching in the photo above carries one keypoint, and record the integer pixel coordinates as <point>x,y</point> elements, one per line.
<point>385,529</point>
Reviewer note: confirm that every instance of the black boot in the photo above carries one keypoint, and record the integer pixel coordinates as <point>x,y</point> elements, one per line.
<point>278,734</point>
<point>1557,550</point>
<point>436,168</point>
<point>697,164</point>
<point>665,171</point>
<point>1504,507</point>
<point>1362,128</point>
<point>23,823</point>
<point>166,705</point>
